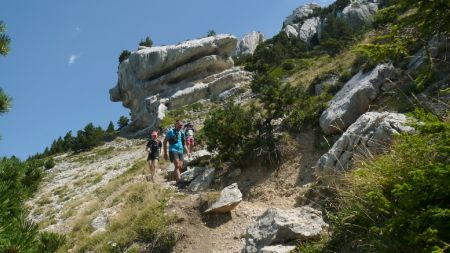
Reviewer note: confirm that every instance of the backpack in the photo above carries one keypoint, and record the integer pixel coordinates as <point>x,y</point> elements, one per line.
<point>174,139</point>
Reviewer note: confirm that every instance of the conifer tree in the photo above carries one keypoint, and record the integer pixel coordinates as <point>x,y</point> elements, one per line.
<point>5,101</point>
<point>123,122</point>
<point>110,128</point>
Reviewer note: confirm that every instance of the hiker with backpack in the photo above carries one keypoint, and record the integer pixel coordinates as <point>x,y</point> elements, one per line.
<point>153,148</point>
<point>177,144</point>
<point>189,131</point>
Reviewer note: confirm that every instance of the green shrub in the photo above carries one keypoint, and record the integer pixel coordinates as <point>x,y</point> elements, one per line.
<point>231,132</point>
<point>399,202</point>
<point>124,55</point>
<point>146,43</point>
<point>49,163</point>
<point>50,242</point>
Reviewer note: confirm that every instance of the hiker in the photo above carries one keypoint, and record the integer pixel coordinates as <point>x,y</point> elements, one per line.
<point>177,144</point>
<point>153,148</point>
<point>189,132</point>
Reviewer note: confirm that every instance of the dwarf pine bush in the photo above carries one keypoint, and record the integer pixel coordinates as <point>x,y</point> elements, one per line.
<point>399,202</point>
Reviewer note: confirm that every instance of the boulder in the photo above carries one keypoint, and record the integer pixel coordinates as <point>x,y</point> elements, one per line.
<point>198,157</point>
<point>354,99</point>
<point>300,13</point>
<point>277,249</point>
<point>305,30</point>
<point>248,43</point>
<point>371,134</point>
<point>229,198</point>
<point>202,182</point>
<point>277,226</point>
<point>155,79</point>
<point>191,173</point>
<point>359,13</point>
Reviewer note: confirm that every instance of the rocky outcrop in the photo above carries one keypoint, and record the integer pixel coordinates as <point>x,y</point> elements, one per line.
<point>153,80</point>
<point>305,30</point>
<point>301,23</point>
<point>371,134</point>
<point>277,226</point>
<point>354,99</point>
<point>277,249</point>
<point>229,198</point>
<point>203,181</point>
<point>359,13</point>
<point>300,13</point>
<point>248,43</point>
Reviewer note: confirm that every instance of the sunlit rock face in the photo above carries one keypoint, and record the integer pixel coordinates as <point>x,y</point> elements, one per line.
<point>359,13</point>
<point>248,43</point>
<point>153,80</point>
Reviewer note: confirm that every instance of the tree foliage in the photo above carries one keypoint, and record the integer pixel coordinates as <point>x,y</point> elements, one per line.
<point>399,202</point>
<point>124,55</point>
<point>148,42</point>
<point>18,180</point>
<point>123,122</point>
<point>5,101</point>
<point>4,39</point>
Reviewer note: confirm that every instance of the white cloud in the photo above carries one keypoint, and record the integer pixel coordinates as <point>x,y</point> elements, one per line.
<point>73,58</point>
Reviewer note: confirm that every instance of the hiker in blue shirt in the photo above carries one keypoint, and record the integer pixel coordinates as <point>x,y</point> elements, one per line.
<point>177,145</point>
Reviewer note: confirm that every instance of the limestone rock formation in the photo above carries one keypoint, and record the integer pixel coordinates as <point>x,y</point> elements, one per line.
<point>155,79</point>
<point>277,226</point>
<point>277,249</point>
<point>371,134</point>
<point>304,30</point>
<point>359,13</point>
<point>300,13</point>
<point>301,24</point>
<point>229,198</point>
<point>354,99</point>
<point>203,181</point>
<point>248,43</point>
<point>191,173</point>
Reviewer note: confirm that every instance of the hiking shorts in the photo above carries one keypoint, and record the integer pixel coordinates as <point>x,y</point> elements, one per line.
<point>175,156</point>
<point>152,157</point>
<point>190,141</point>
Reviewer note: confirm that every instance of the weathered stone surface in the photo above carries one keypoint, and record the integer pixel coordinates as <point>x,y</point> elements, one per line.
<point>277,249</point>
<point>155,79</point>
<point>203,181</point>
<point>229,198</point>
<point>304,30</point>
<point>300,13</point>
<point>371,134</point>
<point>359,13</point>
<point>277,226</point>
<point>191,173</point>
<point>198,157</point>
<point>248,43</point>
<point>354,99</point>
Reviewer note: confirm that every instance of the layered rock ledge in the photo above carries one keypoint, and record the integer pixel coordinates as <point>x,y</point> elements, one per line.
<point>155,79</point>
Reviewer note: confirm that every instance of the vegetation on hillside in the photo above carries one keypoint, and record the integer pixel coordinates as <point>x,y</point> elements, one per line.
<point>398,202</point>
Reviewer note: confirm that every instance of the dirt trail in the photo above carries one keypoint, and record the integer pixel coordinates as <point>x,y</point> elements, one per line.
<point>262,189</point>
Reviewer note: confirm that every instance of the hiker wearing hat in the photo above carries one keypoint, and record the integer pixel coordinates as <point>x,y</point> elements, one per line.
<point>154,149</point>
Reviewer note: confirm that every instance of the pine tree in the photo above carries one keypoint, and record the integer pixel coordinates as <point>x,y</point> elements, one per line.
<point>123,122</point>
<point>110,128</point>
<point>5,101</point>
<point>147,42</point>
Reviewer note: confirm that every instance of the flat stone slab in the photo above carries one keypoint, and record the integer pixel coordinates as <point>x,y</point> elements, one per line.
<point>229,198</point>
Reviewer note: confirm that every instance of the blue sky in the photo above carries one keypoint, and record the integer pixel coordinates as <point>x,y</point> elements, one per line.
<point>64,55</point>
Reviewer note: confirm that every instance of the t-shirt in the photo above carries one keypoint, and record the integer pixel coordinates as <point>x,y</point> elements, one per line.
<point>154,146</point>
<point>178,137</point>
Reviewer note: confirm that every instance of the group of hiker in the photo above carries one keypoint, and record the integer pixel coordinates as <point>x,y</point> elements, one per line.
<point>180,138</point>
